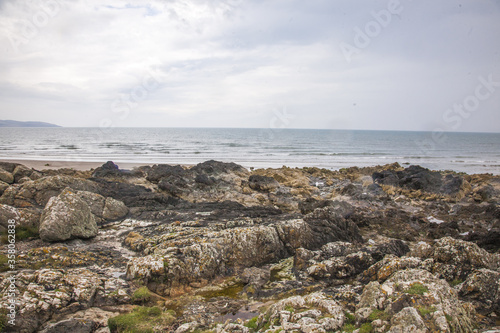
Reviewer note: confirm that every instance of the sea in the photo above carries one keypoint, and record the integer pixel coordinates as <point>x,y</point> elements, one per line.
<point>256,148</point>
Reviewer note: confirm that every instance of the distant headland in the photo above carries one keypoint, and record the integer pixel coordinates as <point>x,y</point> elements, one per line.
<point>14,123</point>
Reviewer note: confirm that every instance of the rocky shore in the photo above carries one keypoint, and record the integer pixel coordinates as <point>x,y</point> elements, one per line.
<point>219,248</point>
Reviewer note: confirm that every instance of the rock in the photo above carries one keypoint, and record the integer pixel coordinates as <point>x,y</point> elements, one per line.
<point>66,217</point>
<point>482,287</point>
<point>417,178</point>
<point>47,293</point>
<point>215,167</point>
<point>94,201</point>
<point>409,292</point>
<point>255,276</point>
<point>39,192</point>
<point>3,187</point>
<point>8,213</point>
<point>71,325</point>
<point>204,179</point>
<point>6,177</point>
<point>311,313</point>
<point>488,240</point>
<point>9,167</point>
<point>114,209</point>
<point>21,171</point>
<point>406,321</point>
<point>262,183</point>
<point>159,171</point>
<point>455,259</point>
<point>107,169</point>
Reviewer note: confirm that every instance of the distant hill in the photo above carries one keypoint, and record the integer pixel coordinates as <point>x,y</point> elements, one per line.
<point>14,123</point>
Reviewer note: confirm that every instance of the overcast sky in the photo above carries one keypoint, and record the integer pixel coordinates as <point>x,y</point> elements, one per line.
<point>395,65</point>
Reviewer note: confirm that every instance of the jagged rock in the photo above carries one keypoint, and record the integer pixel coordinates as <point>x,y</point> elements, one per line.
<point>482,287</point>
<point>46,292</point>
<point>40,191</point>
<point>262,183</point>
<point>72,325</point>
<point>6,177</point>
<point>65,217</point>
<point>455,259</point>
<point>8,213</point>
<point>406,321</point>
<point>255,276</point>
<point>8,166</point>
<point>3,187</point>
<point>21,171</point>
<point>317,313</point>
<point>418,290</point>
<point>488,240</point>
<point>417,178</point>
<point>204,179</point>
<point>107,169</point>
<point>215,167</point>
<point>160,171</point>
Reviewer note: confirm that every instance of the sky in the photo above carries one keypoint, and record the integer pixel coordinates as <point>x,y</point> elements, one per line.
<point>381,65</point>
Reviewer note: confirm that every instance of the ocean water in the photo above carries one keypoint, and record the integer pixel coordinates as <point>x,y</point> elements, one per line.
<point>331,149</point>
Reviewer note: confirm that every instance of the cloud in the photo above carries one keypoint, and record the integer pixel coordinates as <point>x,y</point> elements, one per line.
<point>231,63</point>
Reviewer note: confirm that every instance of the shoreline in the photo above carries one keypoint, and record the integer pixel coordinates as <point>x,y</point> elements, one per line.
<point>75,165</point>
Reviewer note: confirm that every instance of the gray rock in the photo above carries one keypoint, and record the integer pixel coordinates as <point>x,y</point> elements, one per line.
<point>65,217</point>
<point>114,209</point>
<point>71,325</point>
<point>7,213</point>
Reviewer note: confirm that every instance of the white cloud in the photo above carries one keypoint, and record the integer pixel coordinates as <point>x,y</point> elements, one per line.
<point>230,63</point>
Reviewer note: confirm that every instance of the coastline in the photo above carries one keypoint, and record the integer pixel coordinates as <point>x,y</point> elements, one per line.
<point>75,165</point>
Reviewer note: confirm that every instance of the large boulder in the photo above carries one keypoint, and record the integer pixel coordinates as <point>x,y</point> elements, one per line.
<point>66,217</point>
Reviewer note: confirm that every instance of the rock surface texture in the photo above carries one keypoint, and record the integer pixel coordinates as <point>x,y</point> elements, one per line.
<point>219,248</point>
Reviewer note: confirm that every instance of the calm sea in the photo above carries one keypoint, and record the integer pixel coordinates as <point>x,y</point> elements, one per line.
<point>332,149</point>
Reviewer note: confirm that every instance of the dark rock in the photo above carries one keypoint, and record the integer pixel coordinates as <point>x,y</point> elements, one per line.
<point>310,204</point>
<point>216,167</point>
<point>204,179</point>
<point>72,325</point>
<point>482,287</point>
<point>395,247</point>
<point>110,169</point>
<point>386,177</point>
<point>173,185</point>
<point>161,171</point>
<point>437,231</point>
<point>488,240</point>
<point>417,178</point>
<point>262,183</point>
<point>329,225</point>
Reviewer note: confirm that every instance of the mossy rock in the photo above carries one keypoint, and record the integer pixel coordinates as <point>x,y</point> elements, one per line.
<point>142,320</point>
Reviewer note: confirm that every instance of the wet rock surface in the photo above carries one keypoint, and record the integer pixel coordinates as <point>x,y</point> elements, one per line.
<point>218,248</point>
